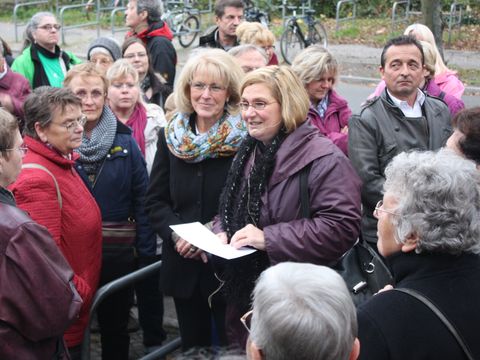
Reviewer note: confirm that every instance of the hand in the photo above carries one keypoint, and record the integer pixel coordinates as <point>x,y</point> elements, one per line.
<point>223,237</point>
<point>248,236</point>
<point>386,288</point>
<point>344,130</point>
<point>188,251</point>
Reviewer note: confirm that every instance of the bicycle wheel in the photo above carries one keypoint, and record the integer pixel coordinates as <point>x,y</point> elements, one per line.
<point>319,35</point>
<point>188,31</point>
<point>291,43</point>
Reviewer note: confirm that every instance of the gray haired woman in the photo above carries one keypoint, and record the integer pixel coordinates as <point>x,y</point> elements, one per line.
<point>42,61</point>
<point>429,233</point>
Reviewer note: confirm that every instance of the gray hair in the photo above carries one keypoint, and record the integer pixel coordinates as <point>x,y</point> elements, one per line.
<point>1,50</point>
<point>8,126</point>
<point>246,48</point>
<point>438,200</point>
<point>303,311</point>
<point>313,62</point>
<point>153,9</point>
<point>32,25</point>
<point>43,104</point>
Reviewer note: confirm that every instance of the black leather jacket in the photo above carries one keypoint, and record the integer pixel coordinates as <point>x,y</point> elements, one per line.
<point>380,132</point>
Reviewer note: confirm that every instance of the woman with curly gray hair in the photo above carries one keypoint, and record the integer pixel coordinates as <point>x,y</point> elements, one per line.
<point>429,233</point>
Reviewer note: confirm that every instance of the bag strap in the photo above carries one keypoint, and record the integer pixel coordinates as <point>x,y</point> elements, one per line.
<point>442,95</point>
<point>43,168</point>
<point>304,195</point>
<point>441,316</point>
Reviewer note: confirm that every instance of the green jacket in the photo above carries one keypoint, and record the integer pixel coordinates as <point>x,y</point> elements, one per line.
<point>25,65</point>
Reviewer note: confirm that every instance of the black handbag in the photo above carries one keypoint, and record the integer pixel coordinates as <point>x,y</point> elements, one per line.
<point>361,267</point>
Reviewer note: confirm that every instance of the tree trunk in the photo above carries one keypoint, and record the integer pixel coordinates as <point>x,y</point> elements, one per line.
<point>432,17</point>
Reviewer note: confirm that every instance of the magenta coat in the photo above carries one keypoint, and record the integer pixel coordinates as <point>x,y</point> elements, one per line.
<point>336,117</point>
<point>454,104</point>
<point>18,88</point>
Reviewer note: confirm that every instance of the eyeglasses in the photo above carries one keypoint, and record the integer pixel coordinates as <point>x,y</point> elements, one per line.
<point>101,61</point>
<point>246,320</point>
<point>257,105</point>
<point>199,86</point>
<point>95,94</point>
<point>22,149</point>
<point>269,47</point>
<point>50,27</point>
<point>378,208</point>
<point>73,124</point>
<point>119,85</point>
<point>140,55</point>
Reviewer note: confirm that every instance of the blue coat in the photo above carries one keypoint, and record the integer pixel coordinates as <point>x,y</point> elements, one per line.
<point>120,188</point>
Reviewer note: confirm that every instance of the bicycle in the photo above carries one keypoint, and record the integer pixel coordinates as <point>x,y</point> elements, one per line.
<point>294,39</point>
<point>184,24</point>
<point>253,14</point>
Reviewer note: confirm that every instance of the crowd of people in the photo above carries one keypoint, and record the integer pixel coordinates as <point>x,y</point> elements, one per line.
<point>98,159</point>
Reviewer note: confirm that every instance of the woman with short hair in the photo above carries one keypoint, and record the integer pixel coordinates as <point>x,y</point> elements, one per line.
<point>429,234</point>
<point>261,205</point>
<point>54,195</point>
<point>317,68</point>
<point>113,168</point>
<point>465,139</point>
<point>42,61</point>
<point>193,157</point>
<point>256,34</point>
<point>124,99</point>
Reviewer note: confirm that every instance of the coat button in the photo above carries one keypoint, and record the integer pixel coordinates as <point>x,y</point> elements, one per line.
<point>109,156</point>
<point>125,151</point>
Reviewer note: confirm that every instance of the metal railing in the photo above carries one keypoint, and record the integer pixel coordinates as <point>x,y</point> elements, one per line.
<point>395,19</point>
<point>338,19</point>
<point>455,18</point>
<point>61,11</point>
<point>19,5</point>
<point>115,286</point>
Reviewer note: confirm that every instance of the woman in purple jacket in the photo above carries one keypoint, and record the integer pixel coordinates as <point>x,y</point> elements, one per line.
<point>260,206</point>
<point>329,112</point>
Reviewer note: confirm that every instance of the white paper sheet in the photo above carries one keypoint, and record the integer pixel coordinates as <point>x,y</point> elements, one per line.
<point>197,234</point>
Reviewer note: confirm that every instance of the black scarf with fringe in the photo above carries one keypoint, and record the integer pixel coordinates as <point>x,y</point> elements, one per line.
<point>240,204</point>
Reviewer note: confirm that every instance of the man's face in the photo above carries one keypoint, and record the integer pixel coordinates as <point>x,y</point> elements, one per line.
<point>403,71</point>
<point>132,18</point>
<point>227,24</point>
<point>251,60</point>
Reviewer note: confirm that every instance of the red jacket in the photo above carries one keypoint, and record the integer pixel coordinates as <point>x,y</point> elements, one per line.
<point>76,227</point>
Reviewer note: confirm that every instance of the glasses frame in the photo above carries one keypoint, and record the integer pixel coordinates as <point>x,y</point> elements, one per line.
<point>82,120</point>
<point>23,149</point>
<point>378,208</point>
<point>244,105</point>
<point>50,27</point>
<point>201,87</point>
<point>244,319</point>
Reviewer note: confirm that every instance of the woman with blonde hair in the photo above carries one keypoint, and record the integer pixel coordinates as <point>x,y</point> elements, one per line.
<point>193,157</point>
<point>329,112</point>
<point>446,79</point>
<point>125,100</point>
<point>256,34</point>
<point>261,205</point>
<point>430,86</point>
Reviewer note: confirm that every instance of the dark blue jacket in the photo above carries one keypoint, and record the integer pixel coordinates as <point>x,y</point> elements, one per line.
<point>120,188</point>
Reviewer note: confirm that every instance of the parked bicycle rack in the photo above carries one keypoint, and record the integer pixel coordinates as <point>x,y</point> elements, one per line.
<point>338,19</point>
<point>117,285</point>
<point>18,5</point>
<point>405,18</point>
<point>61,10</point>
<point>455,17</point>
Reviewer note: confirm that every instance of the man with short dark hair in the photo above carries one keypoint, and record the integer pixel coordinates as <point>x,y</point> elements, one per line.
<point>228,15</point>
<point>402,118</point>
<point>143,17</point>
